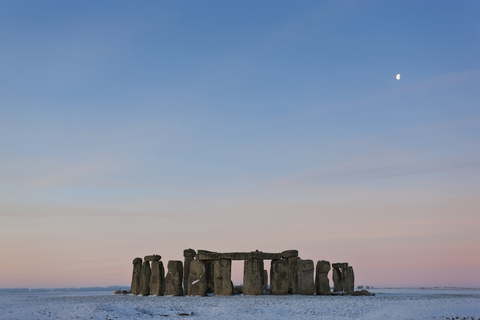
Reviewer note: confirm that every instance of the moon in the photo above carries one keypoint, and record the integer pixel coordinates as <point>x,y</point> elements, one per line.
<point>398,76</point>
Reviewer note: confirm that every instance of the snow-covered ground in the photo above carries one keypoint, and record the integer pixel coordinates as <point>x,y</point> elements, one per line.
<point>387,304</point>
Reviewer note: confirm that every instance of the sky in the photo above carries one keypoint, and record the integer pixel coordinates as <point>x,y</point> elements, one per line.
<point>129,128</point>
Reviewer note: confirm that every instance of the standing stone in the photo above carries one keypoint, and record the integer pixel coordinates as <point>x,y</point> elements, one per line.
<point>305,284</point>
<point>197,279</point>
<point>137,269</point>
<point>210,275</point>
<point>264,280</point>
<point>222,272</point>
<point>252,277</point>
<point>173,280</point>
<point>189,254</point>
<point>349,283</point>
<point>279,277</point>
<point>292,257</point>
<point>322,286</point>
<point>293,274</point>
<point>145,279</point>
<point>337,280</point>
<point>157,279</point>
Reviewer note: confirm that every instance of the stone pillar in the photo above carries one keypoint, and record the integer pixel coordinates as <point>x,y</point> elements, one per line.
<point>157,277</point>
<point>222,272</point>
<point>279,277</point>
<point>197,279</point>
<point>264,280</point>
<point>322,286</point>
<point>137,269</point>
<point>173,280</point>
<point>292,257</point>
<point>349,283</point>
<point>145,279</point>
<point>252,277</point>
<point>189,254</point>
<point>210,275</point>
<point>305,284</point>
<point>339,276</point>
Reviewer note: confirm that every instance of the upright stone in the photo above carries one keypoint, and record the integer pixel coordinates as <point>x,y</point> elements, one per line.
<point>252,277</point>
<point>137,269</point>
<point>222,272</point>
<point>145,279</point>
<point>264,280</point>
<point>337,280</point>
<point>173,280</point>
<point>157,279</point>
<point>197,279</point>
<point>349,283</point>
<point>279,277</point>
<point>210,275</point>
<point>293,274</point>
<point>305,285</point>
<point>189,255</point>
<point>322,285</point>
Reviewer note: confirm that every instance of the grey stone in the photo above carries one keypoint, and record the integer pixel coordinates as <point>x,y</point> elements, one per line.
<point>293,274</point>
<point>157,279</point>
<point>137,269</point>
<point>197,279</point>
<point>337,280</point>
<point>222,271</point>
<point>349,280</point>
<point>339,265</point>
<point>252,277</point>
<point>145,279</point>
<point>264,280</point>
<point>287,254</point>
<point>154,257</point>
<point>209,255</point>
<point>322,285</point>
<point>305,285</point>
<point>189,254</point>
<point>210,275</point>
<point>279,277</point>
<point>173,280</point>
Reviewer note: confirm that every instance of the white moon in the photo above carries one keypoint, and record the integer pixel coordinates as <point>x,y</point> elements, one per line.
<point>398,76</point>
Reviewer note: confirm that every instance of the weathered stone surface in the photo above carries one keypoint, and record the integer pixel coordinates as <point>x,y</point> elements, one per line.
<point>264,280</point>
<point>339,265</point>
<point>210,275</point>
<point>349,280</point>
<point>137,269</point>
<point>337,280</point>
<point>197,279</point>
<point>208,255</point>
<point>154,257</point>
<point>189,252</point>
<point>287,254</point>
<point>145,279</point>
<point>252,277</point>
<point>157,279</point>
<point>279,277</point>
<point>222,272</point>
<point>189,255</point>
<point>173,280</point>
<point>322,285</point>
<point>305,285</point>
<point>293,274</point>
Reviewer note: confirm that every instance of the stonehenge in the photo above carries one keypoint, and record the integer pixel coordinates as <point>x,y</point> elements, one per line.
<point>205,272</point>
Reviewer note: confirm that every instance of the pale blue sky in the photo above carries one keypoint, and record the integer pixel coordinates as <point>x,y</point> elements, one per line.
<point>133,113</point>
